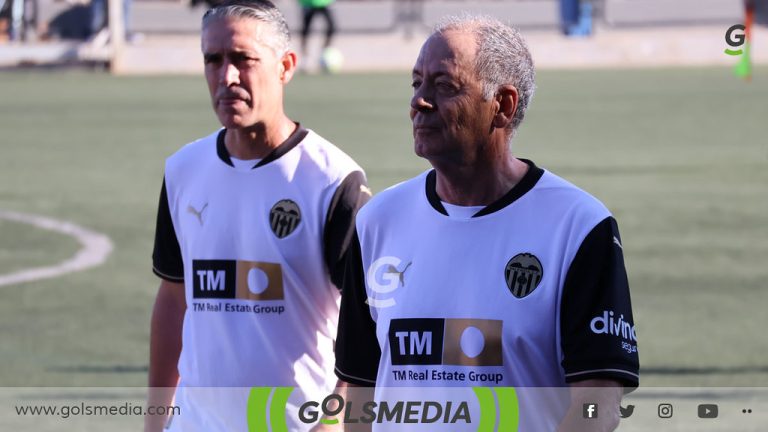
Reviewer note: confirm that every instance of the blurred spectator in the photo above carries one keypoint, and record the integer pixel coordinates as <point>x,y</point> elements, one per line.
<point>17,17</point>
<point>71,23</point>
<point>99,28</point>
<point>760,10</point>
<point>310,8</point>
<point>5,16</point>
<point>576,17</point>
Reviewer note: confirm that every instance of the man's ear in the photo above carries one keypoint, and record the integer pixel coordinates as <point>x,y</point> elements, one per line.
<point>288,66</point>
<point>506,98</point>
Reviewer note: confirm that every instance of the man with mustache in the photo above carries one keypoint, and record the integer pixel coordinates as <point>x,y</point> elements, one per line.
<point>253,226</point>
<point>487,270</point>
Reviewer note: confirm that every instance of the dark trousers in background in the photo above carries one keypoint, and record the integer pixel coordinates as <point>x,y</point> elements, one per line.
<point>330,27</point>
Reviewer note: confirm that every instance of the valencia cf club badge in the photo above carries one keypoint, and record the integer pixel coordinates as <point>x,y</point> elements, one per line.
<point>284,218</point>
<point>523,274</point>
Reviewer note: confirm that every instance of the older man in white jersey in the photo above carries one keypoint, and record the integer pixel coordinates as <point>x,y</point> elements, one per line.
<point>487,270</point>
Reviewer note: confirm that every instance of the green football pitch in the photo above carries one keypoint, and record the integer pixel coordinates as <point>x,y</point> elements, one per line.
<point>679,156</point>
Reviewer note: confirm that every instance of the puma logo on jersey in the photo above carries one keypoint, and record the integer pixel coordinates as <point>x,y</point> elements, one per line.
<point>400,274</point>
<point>383,278</point>
<point>617,242</point>
<point>197,214</point>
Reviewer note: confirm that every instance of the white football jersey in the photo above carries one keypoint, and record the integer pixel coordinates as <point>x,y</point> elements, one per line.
<point>530,292</point>
<point>257,249</point>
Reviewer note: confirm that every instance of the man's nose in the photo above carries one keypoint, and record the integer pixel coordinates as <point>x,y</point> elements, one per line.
<point>420,103</point>
<point>230,74</point>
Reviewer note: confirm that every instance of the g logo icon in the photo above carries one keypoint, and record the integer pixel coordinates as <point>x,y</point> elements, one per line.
<point>385,275</point>
<point>735,39</point>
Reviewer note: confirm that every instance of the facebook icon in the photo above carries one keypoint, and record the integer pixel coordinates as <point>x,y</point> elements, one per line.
<point>590,411</point>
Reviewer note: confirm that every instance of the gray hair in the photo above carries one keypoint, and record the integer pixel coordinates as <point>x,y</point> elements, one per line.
<point>502,57</point>
<point>259,10</point>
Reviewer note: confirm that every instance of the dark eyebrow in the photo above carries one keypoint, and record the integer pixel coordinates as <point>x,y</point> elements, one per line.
<point>244,52</point>
<point>434,76</point>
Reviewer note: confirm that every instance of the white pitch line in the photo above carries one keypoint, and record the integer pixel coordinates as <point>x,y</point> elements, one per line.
<point>95,249</point>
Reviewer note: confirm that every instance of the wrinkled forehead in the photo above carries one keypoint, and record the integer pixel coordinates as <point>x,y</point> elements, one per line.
<point>448,49</point>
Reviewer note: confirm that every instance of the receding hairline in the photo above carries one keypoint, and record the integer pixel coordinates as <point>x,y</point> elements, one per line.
<point>473,42</point>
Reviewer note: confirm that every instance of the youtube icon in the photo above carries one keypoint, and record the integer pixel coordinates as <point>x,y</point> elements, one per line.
<point>707,411</point>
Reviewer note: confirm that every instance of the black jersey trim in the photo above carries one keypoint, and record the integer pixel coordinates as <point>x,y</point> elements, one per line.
<point>221,149</point>
<point>596,286</point>
<point>353,379</point>
<point>629,380</point>
<point>357,349</point>
<point>167,262</point>
<point>339,229</point>
<point>167,277</point>
<point>602,372</point>
<point>525,184</point>
<point>432,197</point>
<point>292,141</point>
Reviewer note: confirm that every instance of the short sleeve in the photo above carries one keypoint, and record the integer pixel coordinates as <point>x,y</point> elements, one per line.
<point>597,329</point>
<point>357,349</point>
<point>349,196</point>
<point>166,257</point>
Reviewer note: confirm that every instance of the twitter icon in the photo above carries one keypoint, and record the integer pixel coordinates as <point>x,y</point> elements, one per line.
<point>626,412</point>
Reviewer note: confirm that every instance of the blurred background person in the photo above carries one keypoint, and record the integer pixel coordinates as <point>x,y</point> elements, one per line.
<point>99,28</point>
<point>310,9</point>
<point>576,17</point>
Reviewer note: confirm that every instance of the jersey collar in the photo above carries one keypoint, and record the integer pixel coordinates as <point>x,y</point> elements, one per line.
<point>292,141</point>
<point>525,184</point>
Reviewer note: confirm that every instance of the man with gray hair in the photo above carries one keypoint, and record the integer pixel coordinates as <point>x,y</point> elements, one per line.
<point>253,226</point>
<point>487,270</point>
